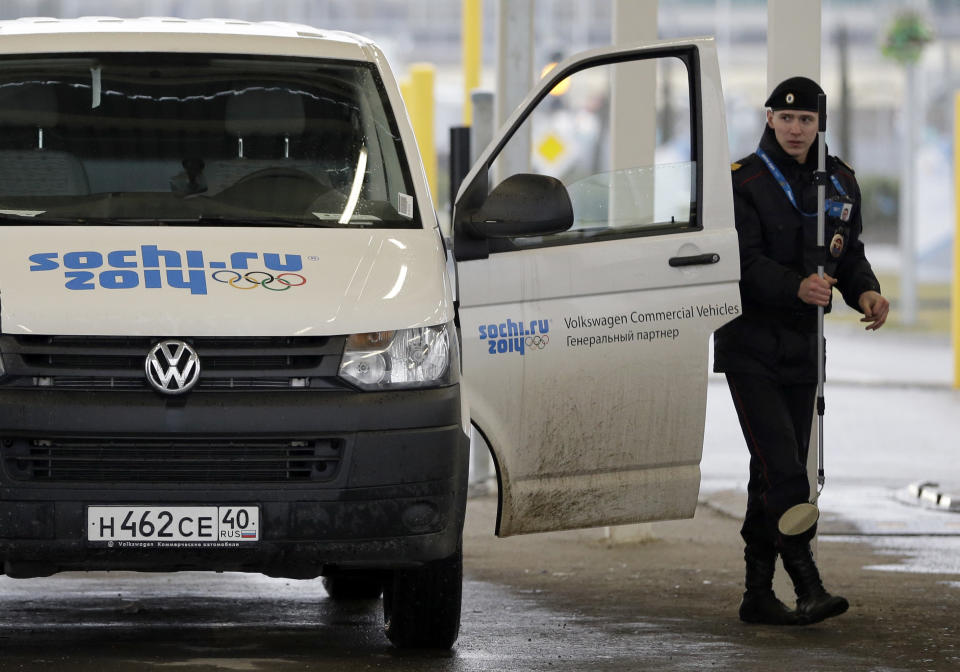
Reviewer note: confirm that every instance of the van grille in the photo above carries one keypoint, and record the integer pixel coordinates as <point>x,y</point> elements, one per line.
<point>117,363</point>
<point>179,460</point>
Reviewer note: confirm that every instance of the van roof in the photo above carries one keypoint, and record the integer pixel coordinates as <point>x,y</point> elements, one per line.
<point>165,33</point>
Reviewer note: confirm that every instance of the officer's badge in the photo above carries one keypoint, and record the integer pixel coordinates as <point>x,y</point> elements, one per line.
<point>790,99</point>
<point>836,245</point>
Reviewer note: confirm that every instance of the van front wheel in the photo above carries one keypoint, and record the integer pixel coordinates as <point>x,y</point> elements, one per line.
<point>421,607</point>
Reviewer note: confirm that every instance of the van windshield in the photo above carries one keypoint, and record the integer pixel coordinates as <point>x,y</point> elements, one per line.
<point>175,138</point>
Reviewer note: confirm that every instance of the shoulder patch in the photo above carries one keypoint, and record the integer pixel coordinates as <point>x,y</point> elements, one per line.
<point>845,165</point>
<point>736,166</point>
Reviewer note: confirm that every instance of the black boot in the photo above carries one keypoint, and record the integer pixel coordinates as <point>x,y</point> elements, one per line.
<point>814,604</point>
<point>759,604</point>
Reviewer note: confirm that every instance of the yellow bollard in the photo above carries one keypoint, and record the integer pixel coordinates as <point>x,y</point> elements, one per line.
<point>955,293</point>
<point>418,95</point>
<point>406,90</point>
<point>471,36</point>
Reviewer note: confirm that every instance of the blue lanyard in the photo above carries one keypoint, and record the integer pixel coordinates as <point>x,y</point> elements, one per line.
<point>832,208</point>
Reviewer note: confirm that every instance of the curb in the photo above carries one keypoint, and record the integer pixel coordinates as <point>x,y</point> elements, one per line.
<point>728,503</point>
<point>930,496</point>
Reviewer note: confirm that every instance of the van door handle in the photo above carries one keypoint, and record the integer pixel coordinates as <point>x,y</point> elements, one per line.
<point>695,260</point>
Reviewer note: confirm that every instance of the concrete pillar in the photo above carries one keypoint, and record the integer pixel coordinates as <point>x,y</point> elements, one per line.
<point>633,122</point>
<point>793,48</point>
<point>514,80</point>
<point>633,107</point>
<point>724,20</point>
<point>793,40</point>
<point>906,231</point>
<point>482,477</point>
<point>482,128</point>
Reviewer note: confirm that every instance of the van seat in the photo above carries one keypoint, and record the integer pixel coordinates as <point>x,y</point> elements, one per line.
<point>37,172</point>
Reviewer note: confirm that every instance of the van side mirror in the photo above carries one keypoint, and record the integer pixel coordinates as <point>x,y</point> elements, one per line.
<point>522,205</point>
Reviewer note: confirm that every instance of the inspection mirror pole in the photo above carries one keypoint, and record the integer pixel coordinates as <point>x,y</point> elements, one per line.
<point>801,517</point>
<point>821,256</point>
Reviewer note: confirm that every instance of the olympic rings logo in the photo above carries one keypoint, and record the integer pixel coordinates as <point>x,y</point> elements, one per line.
<point>539,341</point>
<point>254,279</point>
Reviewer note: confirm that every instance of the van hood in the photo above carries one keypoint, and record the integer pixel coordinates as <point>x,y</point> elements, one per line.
<point>219,281</point>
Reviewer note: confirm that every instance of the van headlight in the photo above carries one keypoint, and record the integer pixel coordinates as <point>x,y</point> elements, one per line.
<point>422,357</point>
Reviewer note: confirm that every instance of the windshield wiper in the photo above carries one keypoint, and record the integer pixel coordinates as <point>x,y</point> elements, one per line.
<point>222,220</point>
<point>41,220</point>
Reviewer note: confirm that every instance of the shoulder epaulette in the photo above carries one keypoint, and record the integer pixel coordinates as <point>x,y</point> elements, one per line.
<point>845,164</point>
<point>744,176</point>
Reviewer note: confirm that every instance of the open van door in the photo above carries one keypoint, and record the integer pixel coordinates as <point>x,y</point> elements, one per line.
<point>592,268</point>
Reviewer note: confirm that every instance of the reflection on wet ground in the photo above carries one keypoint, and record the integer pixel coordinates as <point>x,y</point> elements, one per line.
<point>196,621</point>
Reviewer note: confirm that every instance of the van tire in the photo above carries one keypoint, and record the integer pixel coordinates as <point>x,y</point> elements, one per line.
<point>353,586</point>
<point>421,607</point>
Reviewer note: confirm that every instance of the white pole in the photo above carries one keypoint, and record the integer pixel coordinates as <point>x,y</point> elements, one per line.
<point>723,19</point>
<point>793,48</point>
<point>908,198</point>
<point>514,80</point>
<point>482,480</point>
<point>633,120</point>
<point>633,96</point>
<point>793,40</point>
<point>482,128</point>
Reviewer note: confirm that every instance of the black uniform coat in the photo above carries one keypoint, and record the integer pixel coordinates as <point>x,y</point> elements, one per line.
<point>776,335</point>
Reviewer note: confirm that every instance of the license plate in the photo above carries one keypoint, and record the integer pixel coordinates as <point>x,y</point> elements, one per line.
<point>173,524</point>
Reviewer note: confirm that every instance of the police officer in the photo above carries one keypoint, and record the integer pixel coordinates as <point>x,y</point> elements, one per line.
<point>769,353</point>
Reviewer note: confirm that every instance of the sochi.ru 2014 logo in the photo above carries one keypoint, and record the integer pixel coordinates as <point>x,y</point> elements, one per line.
<point>153,268</point>
<point>513,336</point>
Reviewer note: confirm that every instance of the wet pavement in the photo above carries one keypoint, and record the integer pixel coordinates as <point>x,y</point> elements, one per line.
<point>565,601</point>
<point>236,622</point>
<point>151,624</point>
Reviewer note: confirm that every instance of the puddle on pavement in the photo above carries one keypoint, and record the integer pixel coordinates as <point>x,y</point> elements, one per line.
<point>915,554</point>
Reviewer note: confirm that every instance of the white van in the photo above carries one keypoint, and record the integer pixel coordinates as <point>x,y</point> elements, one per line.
<point>230,340</point>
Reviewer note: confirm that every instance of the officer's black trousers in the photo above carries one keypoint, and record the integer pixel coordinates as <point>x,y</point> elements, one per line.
<point>776,421</point>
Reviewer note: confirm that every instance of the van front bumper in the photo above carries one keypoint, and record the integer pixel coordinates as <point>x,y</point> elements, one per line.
<point>386,487</point>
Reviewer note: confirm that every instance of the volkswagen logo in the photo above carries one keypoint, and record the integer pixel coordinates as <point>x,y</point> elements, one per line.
<point>172,367</point>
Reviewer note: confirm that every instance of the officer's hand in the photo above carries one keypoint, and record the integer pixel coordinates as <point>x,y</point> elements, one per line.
<point>816,290</point>
<point>875,309</point>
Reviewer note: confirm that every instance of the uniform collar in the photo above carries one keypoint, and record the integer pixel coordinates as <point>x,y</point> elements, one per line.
<point>785,162</point>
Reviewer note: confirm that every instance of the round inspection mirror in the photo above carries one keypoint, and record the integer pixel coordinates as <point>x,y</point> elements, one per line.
<point>798,519</point>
